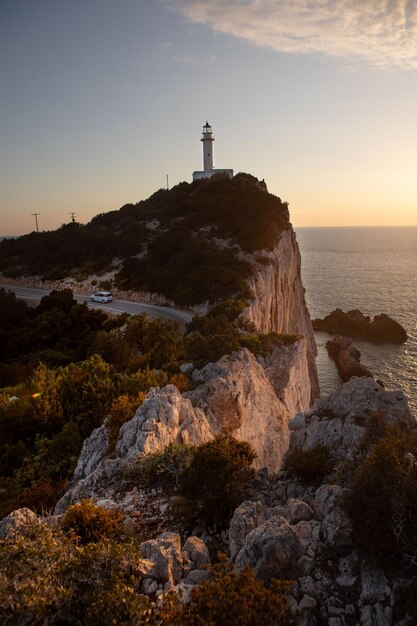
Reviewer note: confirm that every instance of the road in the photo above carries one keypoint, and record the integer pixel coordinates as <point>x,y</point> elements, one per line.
<point>117,306</point>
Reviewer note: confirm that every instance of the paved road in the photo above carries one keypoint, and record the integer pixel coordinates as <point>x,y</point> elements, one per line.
<point>117,306</point>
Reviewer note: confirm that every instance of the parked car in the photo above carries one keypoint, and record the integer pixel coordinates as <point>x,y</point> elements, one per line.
<point>102,296</point>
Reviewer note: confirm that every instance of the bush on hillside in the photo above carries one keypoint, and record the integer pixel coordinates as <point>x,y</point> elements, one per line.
<point>382,502</point>
<point>229,598</point>
<point>48,579</point>
<point>85,522</point>
<point>309,466</point>
<point>214,483</point>
<point>164,467</point>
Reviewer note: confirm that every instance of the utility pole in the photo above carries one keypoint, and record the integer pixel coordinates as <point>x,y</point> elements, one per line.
<point>35,215</point>
<point>167,183</point>
<point>72,215</point>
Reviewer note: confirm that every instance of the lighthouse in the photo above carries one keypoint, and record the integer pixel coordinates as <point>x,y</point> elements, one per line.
<point>207,140</point>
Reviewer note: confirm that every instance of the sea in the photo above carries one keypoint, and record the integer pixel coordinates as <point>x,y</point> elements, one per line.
<point>374,270</point>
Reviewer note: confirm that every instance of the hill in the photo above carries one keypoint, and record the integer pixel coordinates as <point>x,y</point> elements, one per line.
<point>185,243</point>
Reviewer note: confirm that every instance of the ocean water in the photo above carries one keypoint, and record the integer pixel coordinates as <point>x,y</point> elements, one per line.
<point>374,270</point>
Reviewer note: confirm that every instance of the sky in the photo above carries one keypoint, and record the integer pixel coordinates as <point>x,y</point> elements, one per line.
<point>100,100</point>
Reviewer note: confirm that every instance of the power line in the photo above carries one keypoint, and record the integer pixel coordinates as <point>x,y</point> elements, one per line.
<point>35,215</point>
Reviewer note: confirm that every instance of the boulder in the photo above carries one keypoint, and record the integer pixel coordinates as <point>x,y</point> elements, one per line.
<point>248,516</point>
<point>271,549</point>
<point>299,511</point>
<point>196,551</point>
<point>162,558</point>
<point>16,522</point>
<point>347,358</point>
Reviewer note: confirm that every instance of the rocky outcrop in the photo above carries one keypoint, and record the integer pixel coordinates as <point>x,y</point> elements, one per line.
<point>356,324</point>
<point>338,421</point>
<point>303,532</point>
<point>347,358</point>
<point>278,298</point>
<point>238,395</point>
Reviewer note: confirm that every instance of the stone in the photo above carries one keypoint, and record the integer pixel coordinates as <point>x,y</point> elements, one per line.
<point>297,422</point>
<point>197,576</point>
<point>307,603</point>
<point>149,586</point>
<point>16,522</point>
<point>93,451</point>
<point>186,368</point>
<point>346,568</point>
<point>347,358</point>
<point>272,549</point>
<point>163,558</point>
<point>327,499</point>
<point>374,584</point>
<point>248,516</point>
<point>197,552</point>
<point>299,511</point>
<point>238,398</point>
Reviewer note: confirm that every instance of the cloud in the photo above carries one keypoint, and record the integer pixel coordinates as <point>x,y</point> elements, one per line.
<point>383,33</point>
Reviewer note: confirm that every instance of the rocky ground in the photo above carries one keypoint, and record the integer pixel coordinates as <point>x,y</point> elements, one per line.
<point>283,529</point>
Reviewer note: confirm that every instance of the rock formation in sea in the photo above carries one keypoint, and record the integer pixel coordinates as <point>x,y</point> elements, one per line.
<point>347,358</point>
<point>355,324</point>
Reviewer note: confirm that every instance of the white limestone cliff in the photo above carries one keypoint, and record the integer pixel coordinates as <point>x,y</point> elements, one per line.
<point>278,302</point>
<point>237,395</point>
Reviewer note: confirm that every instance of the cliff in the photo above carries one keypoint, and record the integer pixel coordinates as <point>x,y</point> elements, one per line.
<point>278,302</point>
<point>239,395</point>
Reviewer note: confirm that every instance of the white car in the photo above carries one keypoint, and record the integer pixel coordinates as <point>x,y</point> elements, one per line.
<point>102,296</point>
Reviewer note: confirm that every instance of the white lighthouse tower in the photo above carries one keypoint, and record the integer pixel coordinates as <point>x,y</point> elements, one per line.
<point>207,140</point>
<point>208,171</point>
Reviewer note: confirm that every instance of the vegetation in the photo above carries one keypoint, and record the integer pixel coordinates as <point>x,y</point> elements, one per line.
<point>85,522</point>
<point>215,481</point>
<point>182,257</point>
<point>229,598</point>
<point>211,478</point>
<point>309,466</point>
<point>381,502</point>
<point>71,369</point>
<point>47,578</point>
<point>164,467</point>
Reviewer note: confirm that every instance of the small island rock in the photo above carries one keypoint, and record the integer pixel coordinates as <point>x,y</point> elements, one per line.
<point>356,324</point>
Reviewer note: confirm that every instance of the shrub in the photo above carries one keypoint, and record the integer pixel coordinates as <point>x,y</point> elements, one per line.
<point>181,381</point>
<point>161,467</point>
<point>46,578</point>
<point>215,481</point>
<point>231,599</point>
<point>309,466</point>
<point>382,504</point>
<point>86,522</point>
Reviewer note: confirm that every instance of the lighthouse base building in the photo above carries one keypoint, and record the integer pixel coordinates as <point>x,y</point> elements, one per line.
<point>208,170</point>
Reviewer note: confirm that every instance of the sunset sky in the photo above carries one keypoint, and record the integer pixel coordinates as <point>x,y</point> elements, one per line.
<point>100,99</point>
